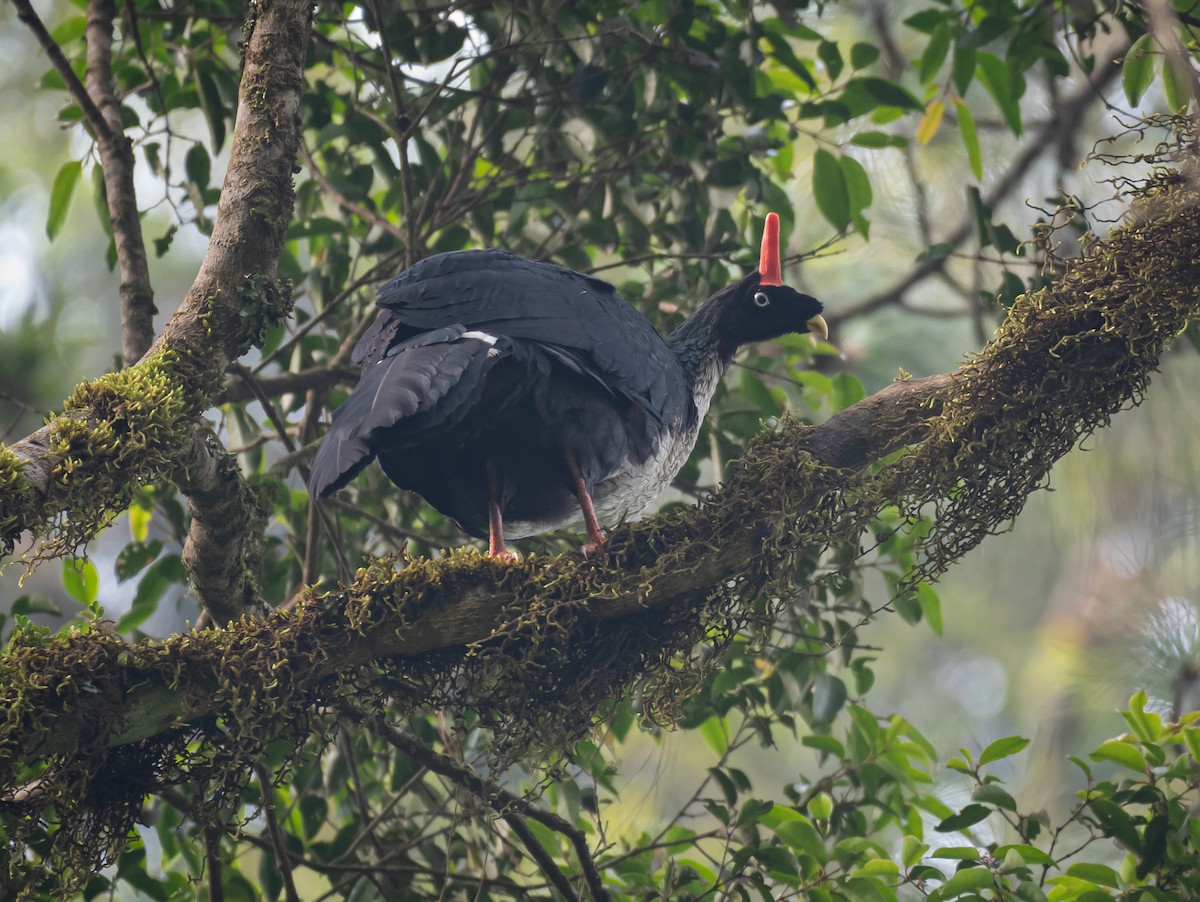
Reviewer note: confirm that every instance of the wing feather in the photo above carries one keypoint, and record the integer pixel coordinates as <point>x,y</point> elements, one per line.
<point>418,387</point>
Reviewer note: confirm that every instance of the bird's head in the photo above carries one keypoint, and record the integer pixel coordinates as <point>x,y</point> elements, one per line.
<point>761,307</point>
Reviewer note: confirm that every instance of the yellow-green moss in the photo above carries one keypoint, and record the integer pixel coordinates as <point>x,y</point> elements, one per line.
<point>18,509</point>
<point>1067,358</point>
<point>115,433</point>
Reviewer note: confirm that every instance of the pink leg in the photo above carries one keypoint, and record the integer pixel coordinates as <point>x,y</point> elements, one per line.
<point>496,547</point>
<point>595,534</point>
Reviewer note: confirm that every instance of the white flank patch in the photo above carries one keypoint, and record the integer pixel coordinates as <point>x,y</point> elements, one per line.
<point>480,336</point>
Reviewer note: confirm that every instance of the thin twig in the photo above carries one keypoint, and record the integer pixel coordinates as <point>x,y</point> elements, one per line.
<point>212,857</point>
<point>62,66</point>
<point>502,801</point>
<point>282,859</point>
<point>540,856</point>
<point>116,163</point>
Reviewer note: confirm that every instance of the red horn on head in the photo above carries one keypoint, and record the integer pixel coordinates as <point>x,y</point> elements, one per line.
<point>769,270</point>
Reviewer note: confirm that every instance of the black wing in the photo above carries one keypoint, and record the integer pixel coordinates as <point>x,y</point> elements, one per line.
<point>577,319</point>
<point>430,381</point>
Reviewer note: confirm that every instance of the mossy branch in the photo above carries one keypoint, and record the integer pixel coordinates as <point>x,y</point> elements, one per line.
<point>534,649</point>
<point>69,478</point>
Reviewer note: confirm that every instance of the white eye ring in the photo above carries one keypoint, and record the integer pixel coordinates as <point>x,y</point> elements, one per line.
<point>761,299</point>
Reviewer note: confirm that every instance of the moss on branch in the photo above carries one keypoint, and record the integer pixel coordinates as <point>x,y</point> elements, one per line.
<point>114,434</point>
<point>534,649</point>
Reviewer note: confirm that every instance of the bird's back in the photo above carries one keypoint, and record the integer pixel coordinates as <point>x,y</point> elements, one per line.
<point>578,319</point>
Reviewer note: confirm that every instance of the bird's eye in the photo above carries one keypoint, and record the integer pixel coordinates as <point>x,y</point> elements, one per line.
<point>761,299</point>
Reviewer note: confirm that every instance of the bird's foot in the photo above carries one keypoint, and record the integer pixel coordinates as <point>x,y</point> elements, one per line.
<point>592,548</point>
<point>506,556</point>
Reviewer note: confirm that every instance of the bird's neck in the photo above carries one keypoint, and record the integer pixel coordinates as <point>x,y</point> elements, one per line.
<point>697,345</point>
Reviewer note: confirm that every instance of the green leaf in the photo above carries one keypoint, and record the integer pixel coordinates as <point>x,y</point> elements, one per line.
<point>198,165</point>
<point>70,29</point>
<point>858,186</point>
<point>1191,738</point>
<point>826,744</point>
<point>962,68</point>
<point>1002,748</point>
<point>32,603</point>
<point>1096,873</point>
<point>970,815</point>
<point>1117,823</point>
<point>157,579</point>
<point>863,55</point>
<point>931,607</point>
<point>758,394</point>
<point>829,695</point>
<point>926,21</point>
<point>967,879</point>
<point>1030,854</point>
<point>847,391</point>
<point>935,53</point>
<point>871,138</point>
<point>877,867</point>
<point>820,806</point>
<point>970,138</point>
<point>61,192</point>
<point>912,850</point>
<point>80,579</point>
<point>992,794</point>
<point>728,789</point>
<point>889,93</point>
<point>139,522</point>
<point>211,104</point>
<point>1147,727</point>
<point>134,557</point>
<point>998,80</point>
<point>1177,83</point>
<point>956,853</point>
<point>715,732</point>
<point>1122,753</point>
<point>830,190</point>
<point>100,200</point>
<point>831,56</point>
<point>1137,71</point>
<point>800,835</point>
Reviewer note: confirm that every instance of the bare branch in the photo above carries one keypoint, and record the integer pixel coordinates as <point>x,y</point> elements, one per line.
<point>505,803</point>
<point>1071,111</point>
<point>116,161</point>
<point>233,300</point>
<point>278,844</point>
<point>62,66</point>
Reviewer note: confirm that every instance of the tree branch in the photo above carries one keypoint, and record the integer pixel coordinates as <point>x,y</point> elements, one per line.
<point>471,597</point>
<point>95,119</point>
<point>1068,114</point>
<point>233,300</point>
<point>116,162</point>
<point>320,378</point>
<point>502,802</point>
<point>980,442</point>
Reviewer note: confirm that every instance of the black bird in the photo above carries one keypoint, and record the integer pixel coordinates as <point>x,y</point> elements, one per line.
<point>518,397</point>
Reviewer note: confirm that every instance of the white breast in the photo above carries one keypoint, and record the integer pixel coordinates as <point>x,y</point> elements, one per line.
<point>634,486</point>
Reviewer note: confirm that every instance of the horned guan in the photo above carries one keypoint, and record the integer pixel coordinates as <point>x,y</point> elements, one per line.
<point>518,397</point>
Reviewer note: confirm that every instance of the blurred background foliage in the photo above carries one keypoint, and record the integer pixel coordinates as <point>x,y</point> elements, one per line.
<point>914,151</point>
